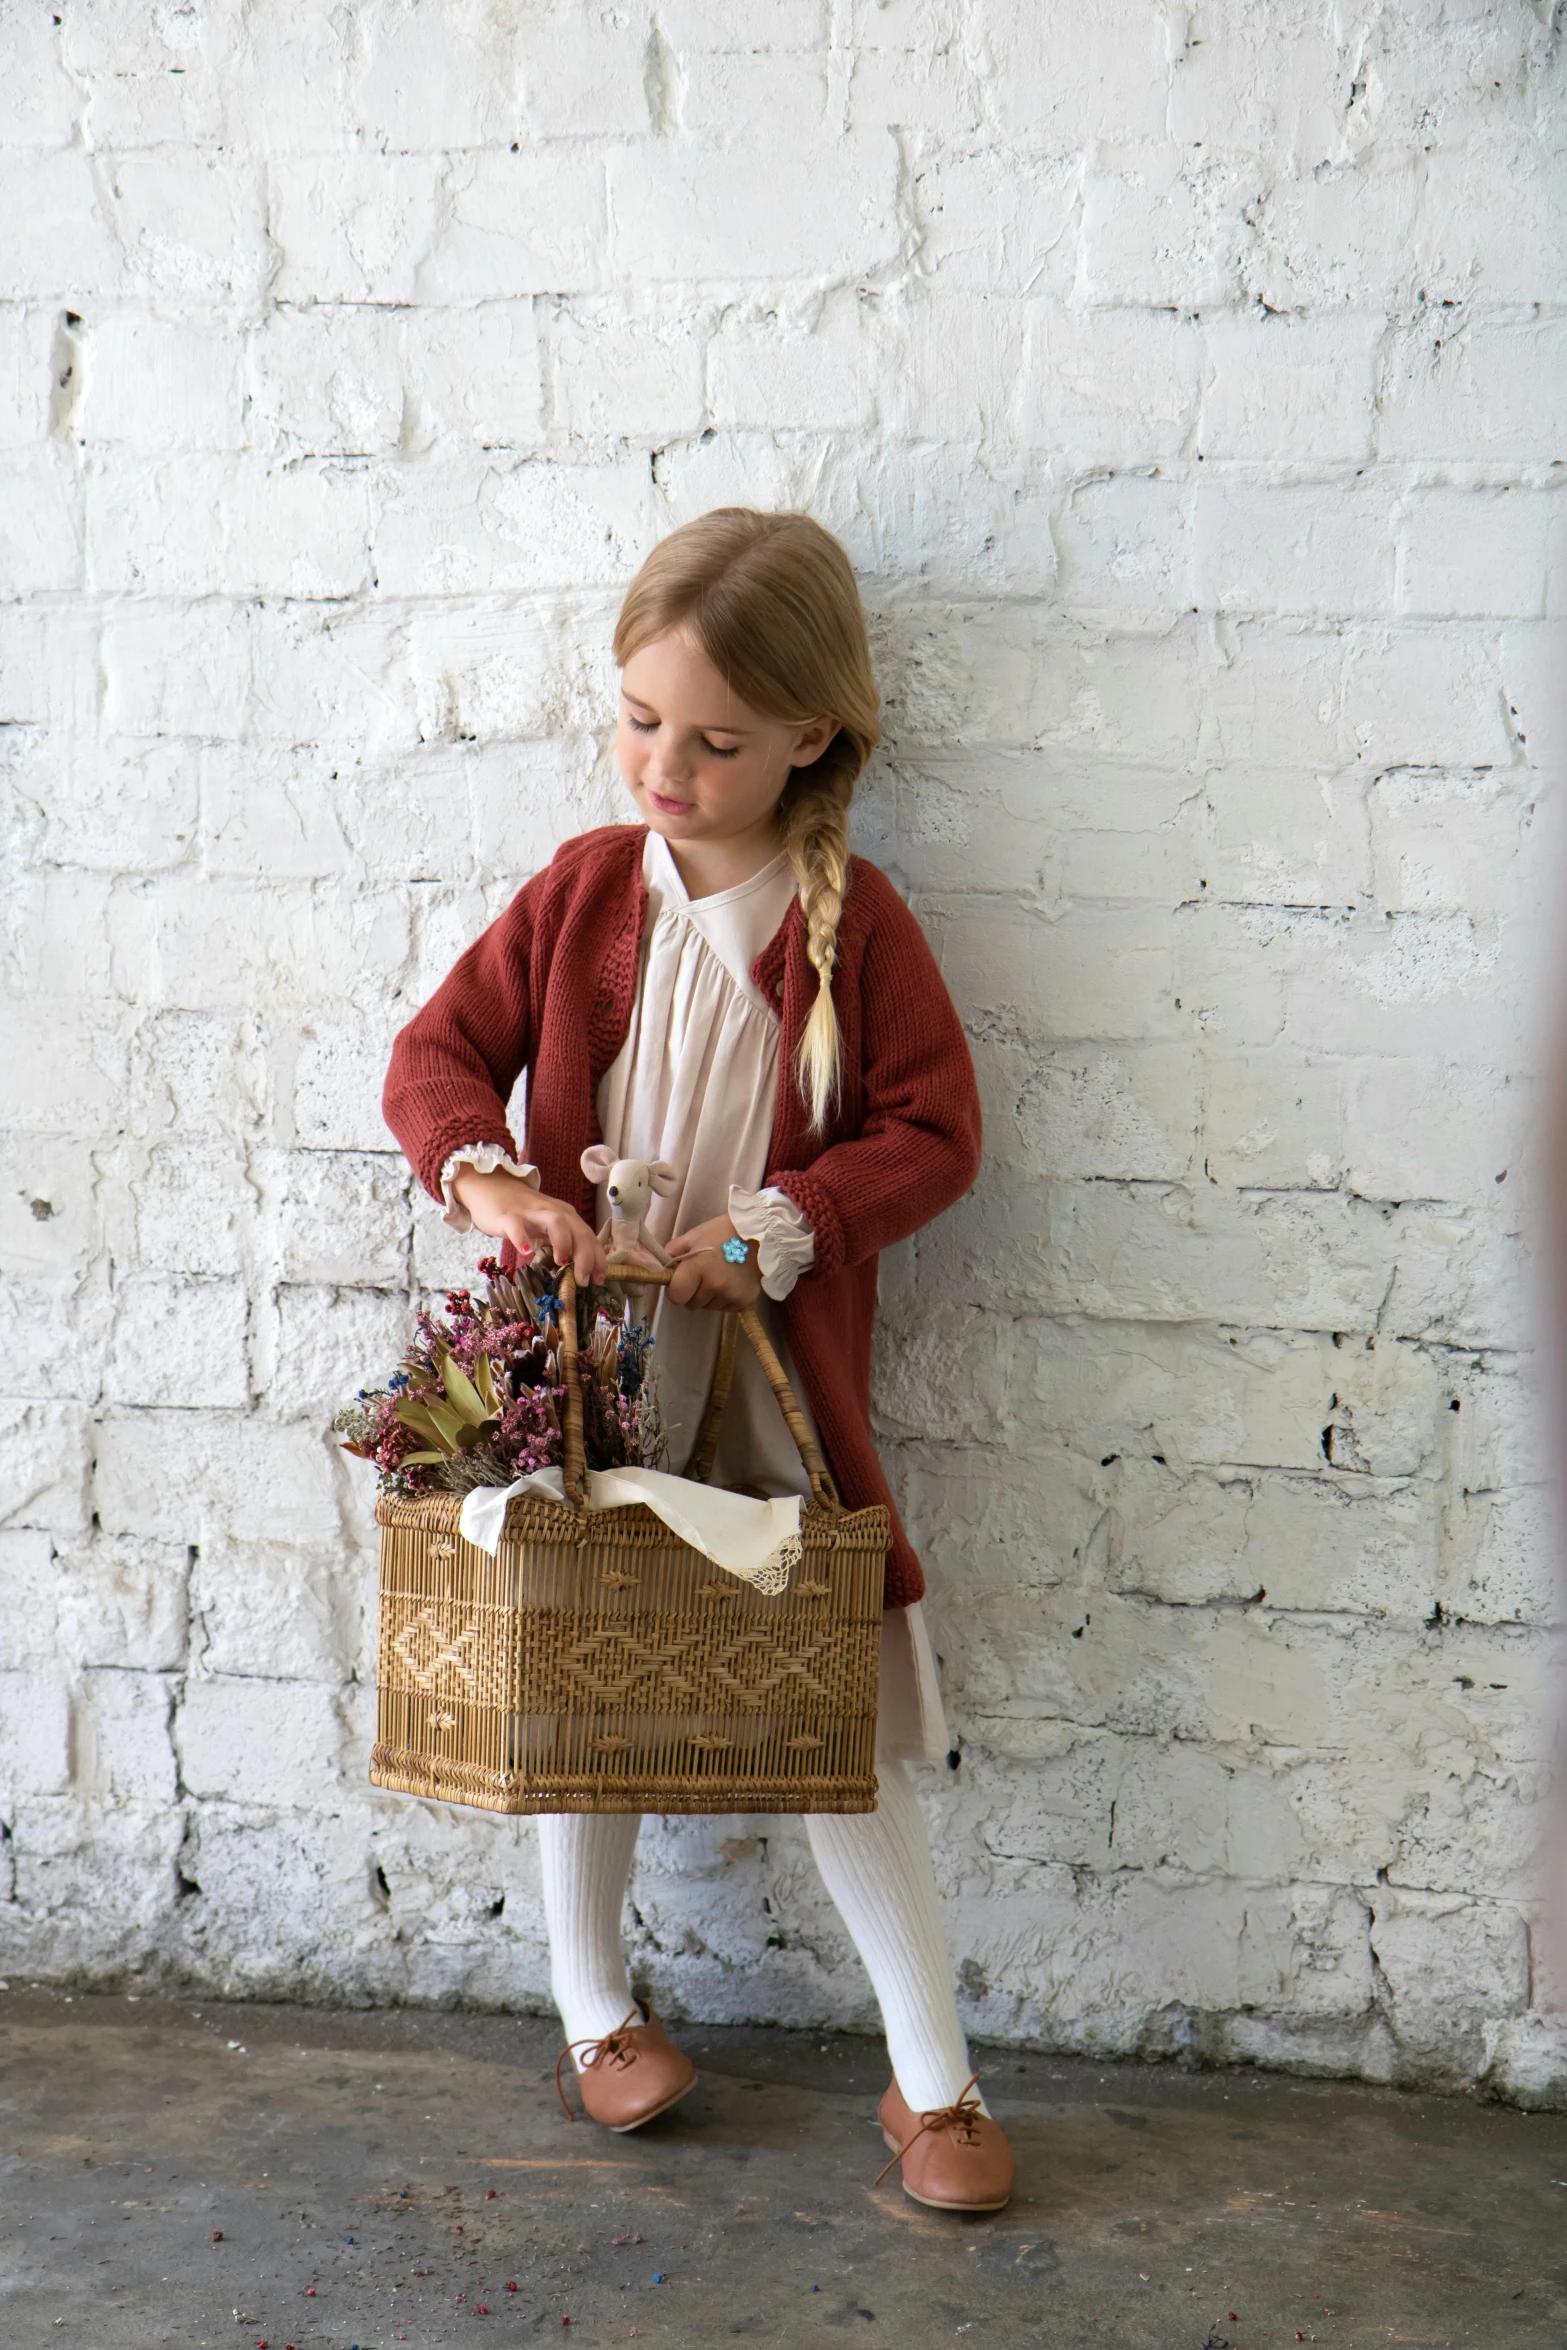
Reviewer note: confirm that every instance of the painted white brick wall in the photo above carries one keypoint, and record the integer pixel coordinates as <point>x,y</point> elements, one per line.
<point>1190,384</point>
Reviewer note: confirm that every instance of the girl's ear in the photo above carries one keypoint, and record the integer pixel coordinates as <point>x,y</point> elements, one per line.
<point>597,1161</point>
<point>663,1177</point>
<point>814,739</point>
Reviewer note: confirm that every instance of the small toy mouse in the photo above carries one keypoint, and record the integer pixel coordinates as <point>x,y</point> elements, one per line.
<point>629,1185</point>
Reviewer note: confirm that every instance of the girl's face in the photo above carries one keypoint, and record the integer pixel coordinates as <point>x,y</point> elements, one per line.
<point>700,763</point>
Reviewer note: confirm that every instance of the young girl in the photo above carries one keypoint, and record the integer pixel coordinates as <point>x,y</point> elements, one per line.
<point>723,986</point>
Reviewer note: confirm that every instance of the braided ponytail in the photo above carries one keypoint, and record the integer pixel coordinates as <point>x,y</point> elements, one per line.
<point>772,601</point>
<point>814,820</point>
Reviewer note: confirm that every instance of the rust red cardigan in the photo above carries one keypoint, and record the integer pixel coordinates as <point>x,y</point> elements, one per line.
<point>549,988</point>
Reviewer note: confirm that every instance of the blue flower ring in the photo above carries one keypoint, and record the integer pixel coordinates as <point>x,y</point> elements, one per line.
<point>736,1251</point>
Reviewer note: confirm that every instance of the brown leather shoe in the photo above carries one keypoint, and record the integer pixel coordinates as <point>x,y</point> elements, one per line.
<point>955,2159</point>
<point>631,2074</point>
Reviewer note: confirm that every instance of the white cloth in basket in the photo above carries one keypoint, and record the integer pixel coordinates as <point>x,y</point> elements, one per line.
<point>757,1541</point>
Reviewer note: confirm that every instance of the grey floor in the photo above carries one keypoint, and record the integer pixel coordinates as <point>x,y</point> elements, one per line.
<point>203,2174</point>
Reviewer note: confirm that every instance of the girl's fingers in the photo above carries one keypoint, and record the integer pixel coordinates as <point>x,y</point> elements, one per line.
<point>570,1241</point>
<point>568,1246</point>
<point>711,1284</point>
<point>575,1245</point>
<point>684,1289</point>
<point>567,1239</point>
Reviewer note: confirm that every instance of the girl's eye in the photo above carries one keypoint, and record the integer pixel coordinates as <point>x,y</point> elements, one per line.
<point>651,725</point>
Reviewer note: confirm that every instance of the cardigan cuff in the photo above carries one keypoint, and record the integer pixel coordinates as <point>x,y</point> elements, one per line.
<point>448,1138</point>
<point>811,1198</point>
<point>484,1158</point>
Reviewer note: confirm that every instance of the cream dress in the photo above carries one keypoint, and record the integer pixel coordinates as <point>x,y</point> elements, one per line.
<point>694,1083</point>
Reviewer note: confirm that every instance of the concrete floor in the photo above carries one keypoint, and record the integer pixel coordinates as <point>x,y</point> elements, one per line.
<point>204,2174</point>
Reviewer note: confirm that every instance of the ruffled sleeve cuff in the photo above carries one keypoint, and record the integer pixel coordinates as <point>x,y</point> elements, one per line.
<point>484,1158</point>
<point>785,1243</point>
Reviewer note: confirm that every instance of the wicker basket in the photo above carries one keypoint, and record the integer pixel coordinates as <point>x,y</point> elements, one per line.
<point>598,1663</point>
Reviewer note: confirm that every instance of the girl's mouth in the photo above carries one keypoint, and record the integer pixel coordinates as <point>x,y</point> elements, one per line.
<point>669,807</point>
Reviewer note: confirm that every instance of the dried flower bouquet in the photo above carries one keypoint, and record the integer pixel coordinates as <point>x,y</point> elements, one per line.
<point>478,1398</point>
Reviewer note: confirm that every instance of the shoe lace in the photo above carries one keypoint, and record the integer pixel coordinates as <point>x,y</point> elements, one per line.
<point>960,2118</point>
<point>613,2048</point>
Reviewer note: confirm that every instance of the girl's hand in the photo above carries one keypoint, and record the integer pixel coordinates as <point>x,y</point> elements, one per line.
<point>508,1209</point>
<point>708,1278</point>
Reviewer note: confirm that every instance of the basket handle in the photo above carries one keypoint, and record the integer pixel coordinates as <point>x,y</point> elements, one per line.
<point>575,1465</point>
<point>699,1468</point>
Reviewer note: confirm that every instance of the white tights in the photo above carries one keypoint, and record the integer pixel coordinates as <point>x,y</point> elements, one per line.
<point>876,1865</point>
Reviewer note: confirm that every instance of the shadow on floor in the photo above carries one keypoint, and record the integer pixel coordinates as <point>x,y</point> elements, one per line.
<point>195,2173</point>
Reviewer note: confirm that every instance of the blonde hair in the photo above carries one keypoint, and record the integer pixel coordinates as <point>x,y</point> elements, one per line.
<point>771,600</point>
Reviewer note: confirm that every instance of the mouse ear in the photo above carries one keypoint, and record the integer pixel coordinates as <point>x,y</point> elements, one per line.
<point>596,1161</point>
<point>663,1177</point>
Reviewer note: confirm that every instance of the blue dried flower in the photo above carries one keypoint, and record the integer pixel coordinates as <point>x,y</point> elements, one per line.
<point>631,1352</point>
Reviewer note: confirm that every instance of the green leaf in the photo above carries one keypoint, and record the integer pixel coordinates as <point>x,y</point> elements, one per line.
<point>448,1427</point>
<point>484,1380</point>
<point>416,1460</point>
<point>466,1399</point>
<point>413,1415</point>
<point>433,1420</point>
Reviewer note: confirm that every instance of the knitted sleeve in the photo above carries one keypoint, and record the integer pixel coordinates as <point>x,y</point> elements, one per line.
<point>454,1065</point>
<point>918,1147</point>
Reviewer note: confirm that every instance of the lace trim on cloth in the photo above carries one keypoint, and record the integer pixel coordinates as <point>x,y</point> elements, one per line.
<point>786,1245</point>
<point>483,1158</point>
<point>772,1576</point>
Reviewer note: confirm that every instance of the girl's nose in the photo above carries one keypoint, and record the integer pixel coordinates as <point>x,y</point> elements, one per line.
<point>666,765</point>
